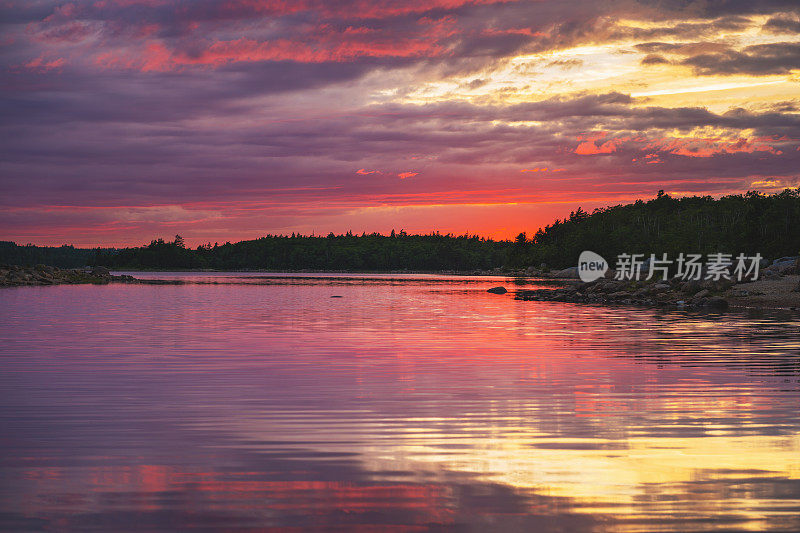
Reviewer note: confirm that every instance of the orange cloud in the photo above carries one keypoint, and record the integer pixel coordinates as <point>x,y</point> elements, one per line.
<point>590,148</point>
<point>404,175</point>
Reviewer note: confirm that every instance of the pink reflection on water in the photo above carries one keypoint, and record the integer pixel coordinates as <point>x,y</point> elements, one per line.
<point>407,402</point>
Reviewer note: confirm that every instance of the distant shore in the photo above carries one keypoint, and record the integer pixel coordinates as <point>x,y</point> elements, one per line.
<point>774,292</point>
<point>42,275</point>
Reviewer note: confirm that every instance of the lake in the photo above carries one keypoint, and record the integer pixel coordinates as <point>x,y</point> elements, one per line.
<point>389,402</point>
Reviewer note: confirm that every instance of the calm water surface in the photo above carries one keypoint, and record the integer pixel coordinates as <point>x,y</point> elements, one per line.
<point>253,402</point>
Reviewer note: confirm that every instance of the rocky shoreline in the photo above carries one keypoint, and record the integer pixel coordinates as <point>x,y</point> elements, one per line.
<point>778,287</point>
<point>716,295</point>
<point>15,276</point>
<point>691,294</point>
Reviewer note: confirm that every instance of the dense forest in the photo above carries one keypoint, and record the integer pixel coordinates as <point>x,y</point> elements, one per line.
<point>371,252</point>
<point>744,223</point>
<point>60,256</point>
<point>367,252</point>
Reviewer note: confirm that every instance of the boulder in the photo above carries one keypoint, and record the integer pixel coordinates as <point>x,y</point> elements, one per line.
<point>783,266</point>
<point>497,290</point>
<point>702,294</point>
<point>571,273</point>
<point>690,287</point>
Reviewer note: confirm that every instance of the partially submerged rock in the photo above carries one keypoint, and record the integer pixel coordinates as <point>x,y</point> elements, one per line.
<point>567,273</point>
<point>497,290</point>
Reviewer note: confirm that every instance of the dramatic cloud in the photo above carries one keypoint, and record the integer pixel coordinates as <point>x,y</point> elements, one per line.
<point>777,58</point>
<point>783,24</point>
<point>128,119</point>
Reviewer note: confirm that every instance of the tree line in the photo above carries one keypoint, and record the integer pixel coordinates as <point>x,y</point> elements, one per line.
<point>367,252</point>
<point>745,223</point>
<point>740,223</point>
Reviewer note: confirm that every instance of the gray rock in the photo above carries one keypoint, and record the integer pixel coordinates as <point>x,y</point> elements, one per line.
<point>571,273</point>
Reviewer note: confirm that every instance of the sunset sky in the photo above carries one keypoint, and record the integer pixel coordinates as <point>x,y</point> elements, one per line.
<point>127,120</point>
